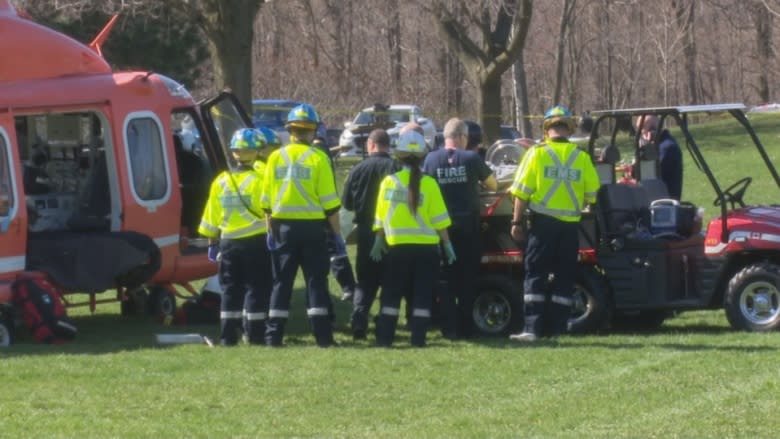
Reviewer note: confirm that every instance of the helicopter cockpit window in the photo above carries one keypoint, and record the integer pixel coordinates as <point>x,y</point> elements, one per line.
<point>6,192</point>
<point>227,120</point>
<point>147,162</point>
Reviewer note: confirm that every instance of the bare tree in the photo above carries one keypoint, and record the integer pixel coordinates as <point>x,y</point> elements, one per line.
<point>486,62</point>
<point>229,27</point>
<point>684,12</point>
<point>567,16</point>
<point>763,22</point>
<point>522,108</point>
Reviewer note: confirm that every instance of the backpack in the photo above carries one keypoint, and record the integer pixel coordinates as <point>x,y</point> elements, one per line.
<point>42,310</point>
<point>202,309</point>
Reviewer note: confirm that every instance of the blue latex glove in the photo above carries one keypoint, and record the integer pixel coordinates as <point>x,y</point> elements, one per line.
<point>341,246</point>
<point>449,252</point>
<point>270,241</point>
<point>378,249</point>
<point>213,253</point>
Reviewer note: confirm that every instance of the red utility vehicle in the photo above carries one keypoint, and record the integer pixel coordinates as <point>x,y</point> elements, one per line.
<point>644,256</point>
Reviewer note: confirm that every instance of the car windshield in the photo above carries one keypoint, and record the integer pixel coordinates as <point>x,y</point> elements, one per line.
<point>270,115</point>
<point>508,132</point>
<point>396,116</point>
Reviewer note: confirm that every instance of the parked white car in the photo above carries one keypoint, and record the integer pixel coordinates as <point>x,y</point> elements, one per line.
<point>353,138</point>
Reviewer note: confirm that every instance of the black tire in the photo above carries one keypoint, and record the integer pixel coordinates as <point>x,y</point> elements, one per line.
<point>498,306</point>
<point>161,303</point>
<point>592,306</point>
<point>752,301</point>
<point>135,303</point>
<point>7,326</point>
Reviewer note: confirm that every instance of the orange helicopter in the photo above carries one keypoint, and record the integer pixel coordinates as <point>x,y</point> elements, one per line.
<point>103,174</point>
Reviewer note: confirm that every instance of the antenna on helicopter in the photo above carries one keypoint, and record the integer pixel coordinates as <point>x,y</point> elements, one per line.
<point>97,43</point>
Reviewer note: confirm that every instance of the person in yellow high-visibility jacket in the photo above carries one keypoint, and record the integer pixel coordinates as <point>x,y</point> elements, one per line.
<point>235,226</point>
<point>410,221</point>
<point>555,180</point>
<point>299,193</point>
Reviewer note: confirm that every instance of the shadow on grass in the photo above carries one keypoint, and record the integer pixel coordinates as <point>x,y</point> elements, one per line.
<point>106,332</point>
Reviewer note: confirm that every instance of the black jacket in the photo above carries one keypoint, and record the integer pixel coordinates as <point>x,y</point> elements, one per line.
<point>362,186</point>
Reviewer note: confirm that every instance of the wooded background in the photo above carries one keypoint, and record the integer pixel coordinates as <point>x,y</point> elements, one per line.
<point>343,55</point>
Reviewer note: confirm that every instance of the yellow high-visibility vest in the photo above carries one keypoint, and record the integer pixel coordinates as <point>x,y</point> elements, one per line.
<point>225,214</point>
<point>299,183</point>
<point>395,218</point>
<point>557,179</point>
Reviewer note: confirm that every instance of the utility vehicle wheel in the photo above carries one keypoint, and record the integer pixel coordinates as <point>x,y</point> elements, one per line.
<point>753,298</point>
<point>591,303</point>
<point>7,327</point>
<point>647,320</point>
<point>161,303</point>
<point>498,307</point>
<point>135,303</point>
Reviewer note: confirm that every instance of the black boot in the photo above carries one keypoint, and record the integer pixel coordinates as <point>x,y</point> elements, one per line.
<point>274,331</point>
<point>385,330</point>
<point>419,330</point>
<point>323,330</point>
<point>229,329</point>
<point>255,331</point>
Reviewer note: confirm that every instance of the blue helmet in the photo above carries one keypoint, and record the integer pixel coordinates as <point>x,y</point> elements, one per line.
<point>303,116</point>
<point>247,138</point>
<point>271,138</point>
<point>556,115</point>
<point>411,143</point>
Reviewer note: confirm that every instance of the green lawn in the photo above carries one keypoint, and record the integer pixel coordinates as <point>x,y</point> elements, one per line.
<point>693,378</point>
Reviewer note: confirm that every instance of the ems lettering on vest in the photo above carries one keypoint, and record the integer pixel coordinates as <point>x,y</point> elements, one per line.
<point>562,173</point>
<point>455,174</point>
<point>234,201</point>
<point>295,171</point>
<point>400,196</point>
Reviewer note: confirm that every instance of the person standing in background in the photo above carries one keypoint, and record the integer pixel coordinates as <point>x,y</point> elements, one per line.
<point>360,195</point>
<point>460,173</point>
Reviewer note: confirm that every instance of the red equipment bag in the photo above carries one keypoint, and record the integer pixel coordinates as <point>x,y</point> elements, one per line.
<point>202,309</point>
<point>42,310</point>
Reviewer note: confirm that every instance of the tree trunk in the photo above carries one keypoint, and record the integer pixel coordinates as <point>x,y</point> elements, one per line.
<point>763,21</point>
<point>394,46</point>
<point>566,18</point>
<point>490,109</point>
<point>230,30</point>
<point>685,14</point>
<point>523,122</point>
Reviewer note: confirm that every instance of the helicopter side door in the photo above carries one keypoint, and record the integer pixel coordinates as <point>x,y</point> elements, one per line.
<point>13,214</point>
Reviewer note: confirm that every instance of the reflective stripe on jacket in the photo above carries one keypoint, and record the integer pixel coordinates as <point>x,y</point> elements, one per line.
<point>225,214</point>
<point>299,183</point>
<point>395,218</point>
<point>557,179</point>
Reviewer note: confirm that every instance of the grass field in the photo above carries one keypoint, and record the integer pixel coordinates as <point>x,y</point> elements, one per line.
<point>693,378</point>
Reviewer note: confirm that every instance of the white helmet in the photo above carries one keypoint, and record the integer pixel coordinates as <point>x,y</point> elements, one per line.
<point>411,143</point>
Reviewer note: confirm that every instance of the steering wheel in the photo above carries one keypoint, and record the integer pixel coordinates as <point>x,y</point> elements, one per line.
<point>734,193</point>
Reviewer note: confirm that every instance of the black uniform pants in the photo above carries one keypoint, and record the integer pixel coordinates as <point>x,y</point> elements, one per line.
<point>408,267</point>
<point>551,250</point>
<point>340,266</point>
<point>369,274</point>
<point>299,243</point>
<point>457,296</point>
<point>246,280</point>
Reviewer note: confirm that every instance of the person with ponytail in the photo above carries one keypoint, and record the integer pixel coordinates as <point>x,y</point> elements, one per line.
<point>410,222</point>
